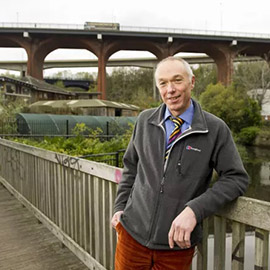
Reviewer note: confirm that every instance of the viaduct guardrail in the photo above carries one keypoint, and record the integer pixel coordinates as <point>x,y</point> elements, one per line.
<point>63,26</point>
<point>74,199</point>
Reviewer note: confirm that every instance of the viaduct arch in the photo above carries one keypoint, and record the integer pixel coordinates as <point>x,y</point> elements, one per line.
<point>38,43</point>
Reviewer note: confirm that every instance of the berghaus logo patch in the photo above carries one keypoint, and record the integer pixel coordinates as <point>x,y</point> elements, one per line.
<point>190,148</point>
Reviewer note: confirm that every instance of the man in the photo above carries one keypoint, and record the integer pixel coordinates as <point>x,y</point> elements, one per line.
<point>164,193</point>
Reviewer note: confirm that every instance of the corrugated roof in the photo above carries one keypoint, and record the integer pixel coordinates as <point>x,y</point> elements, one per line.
<point>40,85</point>
<point>84,103</point>
<point>43,86</point>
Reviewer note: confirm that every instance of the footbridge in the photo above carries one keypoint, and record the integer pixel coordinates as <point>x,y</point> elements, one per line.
<point>73,200</point>
<point>39,40</point>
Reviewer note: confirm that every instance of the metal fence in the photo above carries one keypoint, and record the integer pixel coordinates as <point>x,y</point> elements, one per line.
<point>113,159</point>
<point>40,129</point>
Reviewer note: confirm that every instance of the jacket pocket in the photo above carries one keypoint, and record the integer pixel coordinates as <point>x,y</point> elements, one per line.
<point>179,167</point>
<point>136,216</point>
<point>169,208</point>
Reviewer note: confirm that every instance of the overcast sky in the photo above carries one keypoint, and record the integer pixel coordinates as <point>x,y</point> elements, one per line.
<point>221,15</point>
<point>232,15</point>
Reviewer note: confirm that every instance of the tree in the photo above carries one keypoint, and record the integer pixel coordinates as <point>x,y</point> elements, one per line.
<point>131,85</point>
<point>86,76</point>
<point>8,110</point>
<point>204,75</point>
<point>232,105</point>
<point>254,77</point>
<point>65,74</point>
<point>59,84</point>
<point>8,74</point>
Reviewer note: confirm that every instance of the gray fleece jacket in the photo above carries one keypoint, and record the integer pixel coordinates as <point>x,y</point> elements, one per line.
<point>152,193</point>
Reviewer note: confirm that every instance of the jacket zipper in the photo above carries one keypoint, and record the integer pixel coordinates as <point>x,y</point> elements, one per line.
<point>163,180</point>
<point>156,210</point>
<point>162,184</point>
<point>158,199</point>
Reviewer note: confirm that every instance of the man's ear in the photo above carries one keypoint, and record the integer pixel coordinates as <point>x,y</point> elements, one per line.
<point>192,82</point>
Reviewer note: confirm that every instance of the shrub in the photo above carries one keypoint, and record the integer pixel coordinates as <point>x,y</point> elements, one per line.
<point>248,135</point>
<point>80,145</point>
<point>233,106</point>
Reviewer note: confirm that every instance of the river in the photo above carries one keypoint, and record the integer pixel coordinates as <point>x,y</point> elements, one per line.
<point>258,169</point>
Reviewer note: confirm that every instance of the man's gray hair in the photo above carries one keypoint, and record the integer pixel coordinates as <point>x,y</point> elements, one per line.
<point>173,58</point>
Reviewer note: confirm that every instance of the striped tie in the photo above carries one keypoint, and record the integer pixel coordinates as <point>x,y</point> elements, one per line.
<point>178,122</point>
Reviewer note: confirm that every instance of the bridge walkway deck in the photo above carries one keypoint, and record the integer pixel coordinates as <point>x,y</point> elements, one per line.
<point>26,244</point>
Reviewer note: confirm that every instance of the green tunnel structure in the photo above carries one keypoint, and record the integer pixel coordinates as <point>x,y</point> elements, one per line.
<point>53,124</point>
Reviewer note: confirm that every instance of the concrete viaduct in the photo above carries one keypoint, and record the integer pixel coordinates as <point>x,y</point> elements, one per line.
<point>39,41</point>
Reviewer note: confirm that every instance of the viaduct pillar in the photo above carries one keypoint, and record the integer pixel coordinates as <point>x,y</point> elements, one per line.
<point>223,57</point>
<point>225,68</point>
<point>35,61</point>
<point>102,60</point>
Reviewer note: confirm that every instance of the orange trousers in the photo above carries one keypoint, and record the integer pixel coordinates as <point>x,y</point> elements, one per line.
<point>130,255</point>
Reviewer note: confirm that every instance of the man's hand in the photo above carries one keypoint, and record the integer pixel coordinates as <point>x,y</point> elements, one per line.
<point>116,218</point>
<point>181,228</point>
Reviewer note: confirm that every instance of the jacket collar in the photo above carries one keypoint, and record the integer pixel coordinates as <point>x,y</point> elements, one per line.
<point>198,121</point>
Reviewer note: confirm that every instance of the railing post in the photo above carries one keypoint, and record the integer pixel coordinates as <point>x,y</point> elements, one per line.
<point>117,159</point>
<point>107,129</point>
<point>67,128</point>
<point>261,249</point>
<point>203,247</point>
<point>219,242</point>
<point>238,246</point>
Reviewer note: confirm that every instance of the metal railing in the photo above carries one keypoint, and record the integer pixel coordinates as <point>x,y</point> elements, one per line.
<point>74,199</point>
<point>113,159</point>
<point>138,29</point>
<point>41,128</point>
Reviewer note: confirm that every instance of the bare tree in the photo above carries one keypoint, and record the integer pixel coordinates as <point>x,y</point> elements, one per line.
<point>254,77</point>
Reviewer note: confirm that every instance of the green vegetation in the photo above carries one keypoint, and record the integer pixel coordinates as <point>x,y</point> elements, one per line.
<point>263,137</point>
<point>248,135</point>
<point>131,85</point>
<point>8,110</point>
<point>232,105</point>
<point>205,75</point>
<point>127,85</point>
<point>135,86</point>
<point>80,145</point>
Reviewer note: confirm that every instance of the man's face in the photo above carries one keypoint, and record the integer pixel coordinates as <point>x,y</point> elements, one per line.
<point>174,86</point>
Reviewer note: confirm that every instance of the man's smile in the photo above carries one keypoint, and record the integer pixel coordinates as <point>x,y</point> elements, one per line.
<point>174,98</point>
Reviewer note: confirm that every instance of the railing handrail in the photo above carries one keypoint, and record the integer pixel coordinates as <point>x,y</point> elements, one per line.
<point>96,169</point>
<point>240,210</point>
<point>103,154</point>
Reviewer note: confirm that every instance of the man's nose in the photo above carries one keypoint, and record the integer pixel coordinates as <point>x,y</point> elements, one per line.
<point>170,87</point>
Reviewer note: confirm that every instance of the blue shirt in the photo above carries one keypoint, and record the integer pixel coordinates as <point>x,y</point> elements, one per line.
<point>187,116</point>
